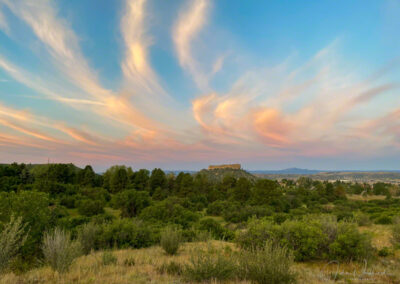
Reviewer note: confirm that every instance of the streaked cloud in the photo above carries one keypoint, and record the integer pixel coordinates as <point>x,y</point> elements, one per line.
<point>136,66</point>
<point>190,22</point>
<point>245,105</point>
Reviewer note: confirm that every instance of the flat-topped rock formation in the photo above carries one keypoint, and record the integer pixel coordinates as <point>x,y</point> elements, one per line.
<point>231,166</point>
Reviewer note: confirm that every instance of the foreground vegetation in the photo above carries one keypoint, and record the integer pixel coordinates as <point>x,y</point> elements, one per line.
<point>154,265</point>
<point>61,223</point>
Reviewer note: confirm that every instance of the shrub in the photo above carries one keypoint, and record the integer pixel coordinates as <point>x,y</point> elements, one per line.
<point>258,231</point>
<point>279,218</point>
<point>107,258</point>
<point>125,233</point>
<point>171,268</point>
<point>215,229</point>
<point>385,251</point>
<point>306,239</point>
<point>87,236</point>
<point>195,235</point>
<point>131,202</point>
<point>312,238</point>
<point>170,240</point>
<point>351,244</point>
<point>89,207</point>
<point>216,208</point>
<point>167,211</point>
<point>328,225</point>
<point>383,220</point>
<point>58,250</point>
<point>12,237</point>
<point>205,266</point>
<point>362,219</point>
<point>270,264</point>
<point>33,208</point>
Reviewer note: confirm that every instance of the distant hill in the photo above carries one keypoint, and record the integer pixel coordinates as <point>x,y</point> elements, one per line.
<point>216,175</point>
<point>176,172</point>
<point>290,171</point>
<point>354,176</point>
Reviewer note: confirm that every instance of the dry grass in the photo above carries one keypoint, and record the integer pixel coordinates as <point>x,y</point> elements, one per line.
<point>89,269</point>
<point>381,235</point>
<point>365,197</point>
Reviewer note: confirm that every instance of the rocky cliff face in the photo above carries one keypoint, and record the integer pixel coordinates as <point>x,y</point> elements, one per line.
<point>231,166</point>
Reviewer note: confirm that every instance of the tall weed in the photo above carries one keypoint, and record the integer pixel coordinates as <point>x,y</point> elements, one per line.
<point>59,250</point>
<point>12,238</point>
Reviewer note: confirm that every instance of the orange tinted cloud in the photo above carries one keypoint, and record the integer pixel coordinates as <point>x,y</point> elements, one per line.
<point>27,131</point>
<point>272,127</point>
<point>187,27</point>
<point>78,135</point>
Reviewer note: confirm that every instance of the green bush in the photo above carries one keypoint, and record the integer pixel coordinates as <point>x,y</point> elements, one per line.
<point>215,229</point>
<point>270,264</point>
<point>306,239</point>
<point>171,268</point>
<point>131,202</point>
<point>217,207</point>
<point>167,211</point>
<point>257,233</point>
<point>170,240</point>
<point>310,239</point>
<point>351,244</point>
<point>384,220</point>
<point>12,237</point>
<point>87,236</point>
<point>33,208</point>
<point>361,218</point>
<point>194,234</point>
<point>124,233</point>
<point>59,250</point>
<point>89,207</point>
<point>205,266</point>
<point>108,258</point>
<point>384,252</point>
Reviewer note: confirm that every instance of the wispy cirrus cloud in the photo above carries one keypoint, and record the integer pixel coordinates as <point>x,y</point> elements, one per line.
<point>136,66</point>
<point>190,22</point>
<point>293,109</point>
<point>63,45</point>
<point>320,106</point>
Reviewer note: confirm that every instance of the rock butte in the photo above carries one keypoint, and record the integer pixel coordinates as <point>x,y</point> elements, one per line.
<point>231,166</point>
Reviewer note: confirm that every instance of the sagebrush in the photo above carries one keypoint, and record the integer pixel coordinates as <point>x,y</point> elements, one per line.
<point>12,237</point>
<point>59,250</point>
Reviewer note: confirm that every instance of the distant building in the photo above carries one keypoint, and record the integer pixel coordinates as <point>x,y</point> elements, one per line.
<point>231,166</point>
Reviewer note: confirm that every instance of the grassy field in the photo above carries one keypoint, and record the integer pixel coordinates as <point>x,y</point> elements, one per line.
<point>148,261</point>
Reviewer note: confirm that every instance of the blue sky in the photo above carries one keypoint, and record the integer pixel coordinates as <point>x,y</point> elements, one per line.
<point>184,84</point>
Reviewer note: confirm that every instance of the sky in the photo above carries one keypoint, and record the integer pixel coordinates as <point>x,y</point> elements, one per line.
<point>184,84</point>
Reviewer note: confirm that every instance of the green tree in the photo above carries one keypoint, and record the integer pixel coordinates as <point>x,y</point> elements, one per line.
<point>33,208</point>
<point>141,179</point>
<point>116,179</point>
<point>157,179</point>
<point>131,202</point>
<point>241,191</point>
<point>87,176</point>
<point>265,191</point>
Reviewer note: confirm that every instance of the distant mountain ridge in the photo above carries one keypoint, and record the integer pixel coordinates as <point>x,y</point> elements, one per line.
<point>289,171</point>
